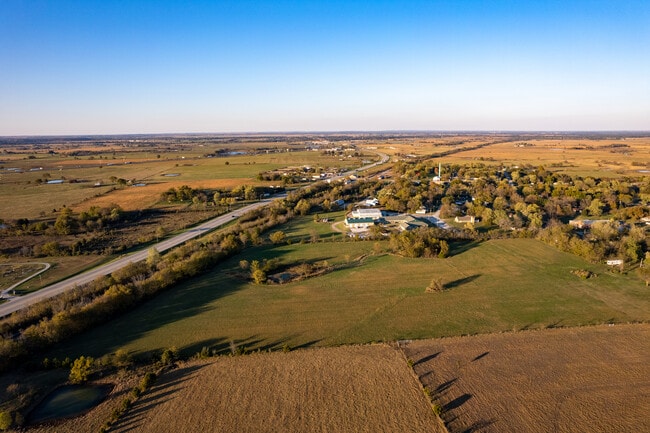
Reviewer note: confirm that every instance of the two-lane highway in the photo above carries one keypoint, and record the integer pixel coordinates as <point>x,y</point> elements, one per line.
<point>20,302</point>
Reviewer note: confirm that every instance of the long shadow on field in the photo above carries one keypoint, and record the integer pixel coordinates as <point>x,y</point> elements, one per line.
<point>162,391</point>
<point>482,355</point>
<point>445,386</point>
<point>461,281</point>
<point>478,426</point>
<point>427,358</point>
<point>457,402</point>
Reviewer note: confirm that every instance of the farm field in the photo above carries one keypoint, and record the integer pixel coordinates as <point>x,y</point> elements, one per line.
<point>345,389</point>
<point>584,157</point>
<point>592,379</point>
<point>31,199</point>
<point>499,285</point>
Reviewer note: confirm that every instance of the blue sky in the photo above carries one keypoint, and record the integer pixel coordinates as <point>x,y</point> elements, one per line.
<point>99,67</point>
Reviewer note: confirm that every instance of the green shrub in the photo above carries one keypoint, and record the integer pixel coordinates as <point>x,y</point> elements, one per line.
<point>5,420</point>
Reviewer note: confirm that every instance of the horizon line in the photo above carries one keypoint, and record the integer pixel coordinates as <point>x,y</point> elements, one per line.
<point>334,132</point>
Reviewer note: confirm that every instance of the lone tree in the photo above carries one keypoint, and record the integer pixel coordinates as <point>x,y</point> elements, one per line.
<point>81,369</point>
<point>257,273</point>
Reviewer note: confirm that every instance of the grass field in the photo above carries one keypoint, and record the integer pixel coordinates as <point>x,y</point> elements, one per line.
<point>594,379</point>
<point>499,285</point>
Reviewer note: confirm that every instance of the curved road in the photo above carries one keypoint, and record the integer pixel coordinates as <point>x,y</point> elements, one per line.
<point>18,303</point>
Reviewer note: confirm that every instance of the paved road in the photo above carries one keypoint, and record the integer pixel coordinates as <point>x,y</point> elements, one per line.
<point>18,303</point>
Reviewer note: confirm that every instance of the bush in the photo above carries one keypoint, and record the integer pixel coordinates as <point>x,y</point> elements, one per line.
<point>147,381</point>
<point>435,285</point>
<point>5,420</point>
<point>81,369</point>
<point>169,356</point>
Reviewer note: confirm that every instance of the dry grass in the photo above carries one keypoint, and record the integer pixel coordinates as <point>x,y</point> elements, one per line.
<point>345,389</point>
<point>594,379</point>
<point>572,156</point>
<point>430,145</point>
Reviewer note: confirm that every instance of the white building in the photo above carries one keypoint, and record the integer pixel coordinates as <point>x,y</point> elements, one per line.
<point>367,213</point>
<point>371,202</point>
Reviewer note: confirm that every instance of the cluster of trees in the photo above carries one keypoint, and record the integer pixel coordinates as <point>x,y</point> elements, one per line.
<point>259,270</point>
<point>95,218</point>
<point>421,242</point>
<point>606,239</point>
<point>530,201</point>
<point>526,196</point>
<point>55,236</point>
<point>223,198</point>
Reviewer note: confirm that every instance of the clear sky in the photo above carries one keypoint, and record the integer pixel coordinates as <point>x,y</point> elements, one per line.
<point>109,66</point>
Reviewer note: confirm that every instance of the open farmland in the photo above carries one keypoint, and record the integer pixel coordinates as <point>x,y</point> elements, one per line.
<point>347,389</point>
<point>584,157</point>
<point>373,298</point>
<point>87,181</point>
<point>594,379</point>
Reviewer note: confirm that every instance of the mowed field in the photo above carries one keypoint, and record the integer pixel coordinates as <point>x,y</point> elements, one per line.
<point>593,379</point>
<point>346,389</point>
<point>499,285</point>
<point>583,157</point>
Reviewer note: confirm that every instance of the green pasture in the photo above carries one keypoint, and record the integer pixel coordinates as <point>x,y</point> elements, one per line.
<point>301,228</point>
<point>499,285</point>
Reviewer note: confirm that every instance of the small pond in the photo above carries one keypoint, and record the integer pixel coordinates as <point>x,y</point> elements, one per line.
<point>68,401</point>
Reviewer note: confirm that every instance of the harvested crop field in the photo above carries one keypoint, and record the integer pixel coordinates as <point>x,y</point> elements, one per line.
<point>593,379</point>
<point>344,389</point>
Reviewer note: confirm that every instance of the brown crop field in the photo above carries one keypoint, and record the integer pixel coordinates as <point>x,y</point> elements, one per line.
<point>594,379</point>
<point>585,157</point>
<point>345,389</point>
